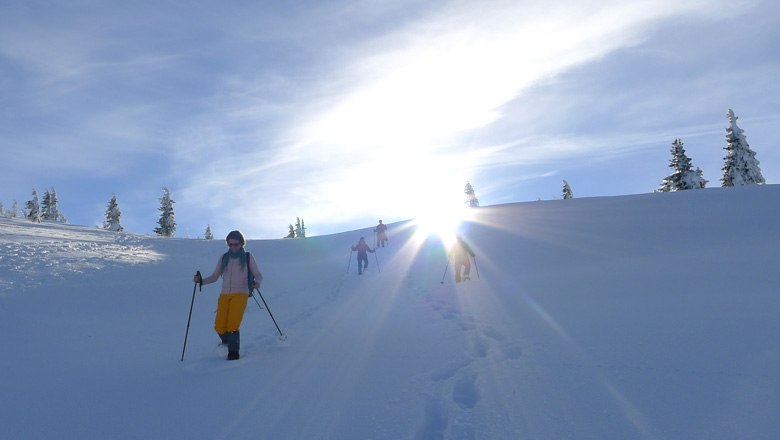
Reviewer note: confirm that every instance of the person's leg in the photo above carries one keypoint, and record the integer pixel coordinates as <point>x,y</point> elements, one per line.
<point>235,313</point>
<point>221,320</point>
<point>234,345</point>
<point>237,306</point>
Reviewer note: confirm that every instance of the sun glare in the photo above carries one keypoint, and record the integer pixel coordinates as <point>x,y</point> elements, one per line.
<point>440,220</point>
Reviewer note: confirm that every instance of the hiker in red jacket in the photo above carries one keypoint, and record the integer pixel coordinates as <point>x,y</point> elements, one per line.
<point>362,257</point>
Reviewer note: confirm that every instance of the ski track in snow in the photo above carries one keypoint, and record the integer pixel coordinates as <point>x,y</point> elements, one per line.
<point>451,393</point>
<point>448,412</point>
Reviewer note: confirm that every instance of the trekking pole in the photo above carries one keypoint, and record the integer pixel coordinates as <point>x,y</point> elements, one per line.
<point>350,260</point>
<point>282,337</point>
<point>377,262</point>
<point>445,270</point>
<point>474,257</point>
<point>192,303</point>
<point>256,301</point>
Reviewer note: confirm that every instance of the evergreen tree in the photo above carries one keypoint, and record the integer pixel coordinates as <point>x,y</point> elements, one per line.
<point>14,212</point>
<point>300,229</point>
<point>113,215</point>
<point>32,208</point>
<point>291,234</point>
<point>208,235</point>
<point>567,194</point>
<point>52,210</point>
<point>167,223</point>
<point>740,164</point>
<point>683,177</point>
<point>46,206</point>
<point>56,200</point>
<point>471,197</point>
<point>2,210</point>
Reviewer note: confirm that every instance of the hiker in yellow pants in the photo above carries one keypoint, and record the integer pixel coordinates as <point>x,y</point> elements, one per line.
<point>235,268</point>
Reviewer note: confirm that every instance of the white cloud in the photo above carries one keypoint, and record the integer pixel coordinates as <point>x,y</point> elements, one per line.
<point>418,92</point>
<point>336,112</point>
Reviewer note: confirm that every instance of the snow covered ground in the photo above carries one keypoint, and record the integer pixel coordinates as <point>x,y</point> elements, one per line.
<point>653,316</point>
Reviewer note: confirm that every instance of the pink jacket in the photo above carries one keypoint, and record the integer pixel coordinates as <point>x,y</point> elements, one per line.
<point>234,279</point>
<point>361,247</point>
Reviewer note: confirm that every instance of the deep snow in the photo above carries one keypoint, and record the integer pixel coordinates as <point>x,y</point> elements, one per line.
<point>652,316</point>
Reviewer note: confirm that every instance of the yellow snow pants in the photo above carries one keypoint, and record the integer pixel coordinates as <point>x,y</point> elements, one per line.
<point>230,312</point>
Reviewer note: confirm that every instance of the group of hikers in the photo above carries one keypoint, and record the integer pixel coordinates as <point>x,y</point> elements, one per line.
<point>241,276</point>
<point>362,248</point>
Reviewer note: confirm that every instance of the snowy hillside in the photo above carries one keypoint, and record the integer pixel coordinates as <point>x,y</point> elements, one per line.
<point>652,316</point>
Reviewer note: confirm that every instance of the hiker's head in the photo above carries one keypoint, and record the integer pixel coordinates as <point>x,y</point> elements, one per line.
<point>235,239</point>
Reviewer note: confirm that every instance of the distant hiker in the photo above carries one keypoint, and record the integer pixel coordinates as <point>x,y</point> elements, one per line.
<point>235,267</point>
<point>362,257</point>
<point>381,234</point>
<point>461,253</point>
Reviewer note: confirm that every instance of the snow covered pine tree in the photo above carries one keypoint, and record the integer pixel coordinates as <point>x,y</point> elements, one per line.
<point>683,176</point>
<point>33,208</point>
<point>113,214</point>
<point>167,223</point>
<point>740,166</point>
<point>567,194</point>
<point>471,197</point>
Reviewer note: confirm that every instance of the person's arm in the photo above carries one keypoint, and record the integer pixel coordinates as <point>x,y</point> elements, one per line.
<point>214,276</point>
<point>255,271</point>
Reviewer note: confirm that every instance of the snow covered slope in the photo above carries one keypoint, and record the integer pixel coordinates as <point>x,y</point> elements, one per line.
<point>651,316</point>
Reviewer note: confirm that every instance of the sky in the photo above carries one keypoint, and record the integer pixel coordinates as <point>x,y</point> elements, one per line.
<point>343,113</point>
<point>590,318</point>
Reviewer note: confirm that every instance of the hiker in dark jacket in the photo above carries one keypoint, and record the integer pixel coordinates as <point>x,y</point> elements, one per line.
<point>461,253</point>
<point>362,256</point>
<point>233,267</point>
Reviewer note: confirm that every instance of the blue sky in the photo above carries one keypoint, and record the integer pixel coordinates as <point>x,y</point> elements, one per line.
<point>342,113</point>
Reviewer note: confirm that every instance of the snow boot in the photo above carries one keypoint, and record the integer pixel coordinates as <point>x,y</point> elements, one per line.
<point>224,338</point>
<point>233,343</point>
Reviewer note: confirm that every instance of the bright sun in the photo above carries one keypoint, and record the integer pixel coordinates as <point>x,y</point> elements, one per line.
<point>437,207</point>
<point>442,220</point>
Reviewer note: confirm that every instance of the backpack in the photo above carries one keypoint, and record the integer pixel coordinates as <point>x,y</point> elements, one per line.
<point>250,277</point>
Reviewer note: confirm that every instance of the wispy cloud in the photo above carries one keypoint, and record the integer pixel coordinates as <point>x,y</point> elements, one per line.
<point>340,112</point>
<point>401,114</point>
